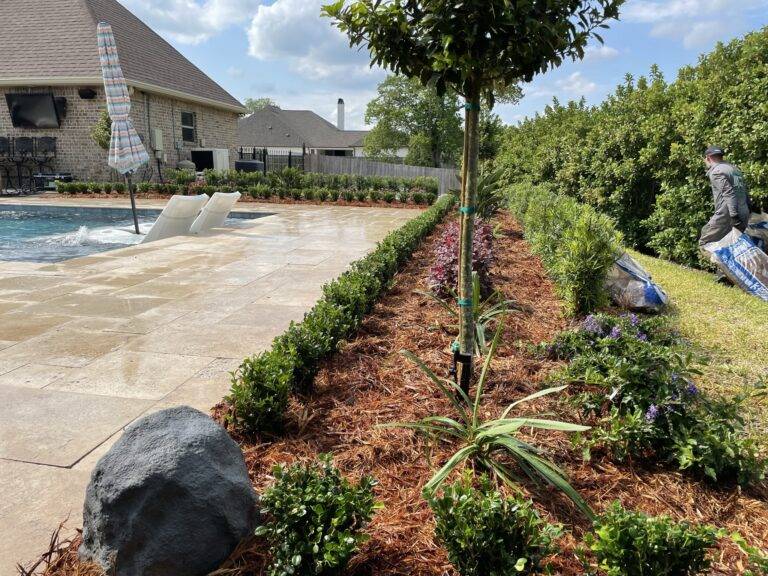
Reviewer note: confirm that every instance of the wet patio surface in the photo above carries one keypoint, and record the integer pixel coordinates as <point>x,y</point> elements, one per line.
<point>89,345</point>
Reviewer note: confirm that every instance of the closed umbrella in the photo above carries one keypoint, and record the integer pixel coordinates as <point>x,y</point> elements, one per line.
<point>126,151</point>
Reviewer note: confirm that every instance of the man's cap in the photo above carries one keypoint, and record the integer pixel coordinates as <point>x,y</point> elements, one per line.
<point>715,151</point>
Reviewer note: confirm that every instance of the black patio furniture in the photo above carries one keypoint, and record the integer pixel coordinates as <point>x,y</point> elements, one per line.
<point>6,160</point>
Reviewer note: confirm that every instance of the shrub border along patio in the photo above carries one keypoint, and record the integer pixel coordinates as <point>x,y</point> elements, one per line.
<point>262,384</point>
<point>289,184</point>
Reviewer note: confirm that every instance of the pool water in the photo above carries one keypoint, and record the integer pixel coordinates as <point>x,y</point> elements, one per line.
<point>56,233</point>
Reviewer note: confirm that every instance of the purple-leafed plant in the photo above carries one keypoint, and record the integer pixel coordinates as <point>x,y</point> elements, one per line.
<point>444,273</point>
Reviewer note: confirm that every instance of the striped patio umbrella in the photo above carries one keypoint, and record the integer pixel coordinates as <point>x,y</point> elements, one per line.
<point>126,151</point>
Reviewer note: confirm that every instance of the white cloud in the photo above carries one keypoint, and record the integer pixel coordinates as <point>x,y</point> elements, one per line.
<point>192,21</point>
<point>601,52</point>
<point>697,23</point>
<point>575,86</point>
<point>293,30</point>
<point>235,72</point>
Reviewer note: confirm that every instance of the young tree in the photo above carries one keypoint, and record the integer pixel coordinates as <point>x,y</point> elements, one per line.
<point>101,132</point>
<point>407,113</point>
<point>475,48</point>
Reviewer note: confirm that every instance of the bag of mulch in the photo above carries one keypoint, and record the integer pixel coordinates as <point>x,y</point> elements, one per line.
<point>744,263</point>
<point>631,287</point>
<point>758,230</point>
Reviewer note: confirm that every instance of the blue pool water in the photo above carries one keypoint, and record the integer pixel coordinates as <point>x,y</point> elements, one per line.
<point>56,233</point>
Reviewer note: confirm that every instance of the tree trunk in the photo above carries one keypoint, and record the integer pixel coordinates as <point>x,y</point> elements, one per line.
<point>467,228</point>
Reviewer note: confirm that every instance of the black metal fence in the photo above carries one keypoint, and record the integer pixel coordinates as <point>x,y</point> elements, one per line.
<point>261,159</point>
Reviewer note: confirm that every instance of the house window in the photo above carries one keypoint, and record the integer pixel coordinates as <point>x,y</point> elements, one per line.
<point>188,127</point>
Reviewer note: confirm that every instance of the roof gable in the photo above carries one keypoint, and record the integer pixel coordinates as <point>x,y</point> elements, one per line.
<point>274,127</point>
<point>55,41</point>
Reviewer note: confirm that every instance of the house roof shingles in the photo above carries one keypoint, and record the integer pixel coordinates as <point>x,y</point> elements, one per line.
<point>54,41</point>
<point>272,127</point>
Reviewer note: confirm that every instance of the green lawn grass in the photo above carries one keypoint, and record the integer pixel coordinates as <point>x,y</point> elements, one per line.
<point>728,324</point>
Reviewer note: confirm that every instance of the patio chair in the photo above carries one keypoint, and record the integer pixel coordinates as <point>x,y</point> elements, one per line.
<point>45,154</point>
<point>24,158</point>
<point>215,212</point>
<point>176,218</point>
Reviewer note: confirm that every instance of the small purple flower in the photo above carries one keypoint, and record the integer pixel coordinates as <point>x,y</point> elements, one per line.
<point>675,376</point>
<point>652,413</point>
<point>633,319</point>
<point>592,325</point>
<point>615,333</point>
<point>642,337</point>
<point>692,389</point>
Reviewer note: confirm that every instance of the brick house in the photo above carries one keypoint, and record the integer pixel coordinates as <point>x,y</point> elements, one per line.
<point>49,47</point>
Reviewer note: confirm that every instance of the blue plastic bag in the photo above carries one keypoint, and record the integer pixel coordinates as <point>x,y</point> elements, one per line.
<point>631,287</point>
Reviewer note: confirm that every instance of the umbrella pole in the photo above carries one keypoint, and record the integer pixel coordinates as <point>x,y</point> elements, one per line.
<point>133,202</point>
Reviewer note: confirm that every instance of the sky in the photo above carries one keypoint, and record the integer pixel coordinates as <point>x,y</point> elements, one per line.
<point>284,50</point>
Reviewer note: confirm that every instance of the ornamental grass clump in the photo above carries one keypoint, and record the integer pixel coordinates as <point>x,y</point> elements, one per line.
<point>627,543</point>
<point>635,376</point>
<point>444,272</point>
<point>491,444</point>
<point>487,534</point>
<point>315,518</point>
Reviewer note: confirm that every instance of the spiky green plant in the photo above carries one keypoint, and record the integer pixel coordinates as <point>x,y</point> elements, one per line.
<point>488,443</point>
<point>485,310</point>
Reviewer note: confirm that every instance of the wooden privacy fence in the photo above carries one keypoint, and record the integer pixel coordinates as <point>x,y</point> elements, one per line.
<point>447,177</point>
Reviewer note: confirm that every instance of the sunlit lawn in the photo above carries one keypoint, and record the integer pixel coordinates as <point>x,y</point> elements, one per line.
<point>731,326</point>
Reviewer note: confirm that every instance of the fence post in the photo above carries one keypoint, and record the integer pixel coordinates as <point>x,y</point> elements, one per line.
<point>265,161</point>
<point>290,159</point>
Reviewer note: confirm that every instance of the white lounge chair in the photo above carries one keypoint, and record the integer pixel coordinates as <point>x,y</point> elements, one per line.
<point>176,218</point>
<point>215,212</point>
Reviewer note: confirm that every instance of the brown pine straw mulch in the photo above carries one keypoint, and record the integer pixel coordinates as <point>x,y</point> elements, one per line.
<point>370,383</point>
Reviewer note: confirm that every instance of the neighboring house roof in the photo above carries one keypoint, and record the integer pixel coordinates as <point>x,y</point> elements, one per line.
<point>53,42</point>
<point>272,127</point>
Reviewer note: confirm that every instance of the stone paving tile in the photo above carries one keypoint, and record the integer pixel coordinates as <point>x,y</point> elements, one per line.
<point>58,428</point>
<point>276,317</point>
<point>218,340</point>
<point>99,305</point>
<point>64,347</point>
<point>20,325</point>
<point>34,376</point>
<point>35,500</point>
<point>126,374</point>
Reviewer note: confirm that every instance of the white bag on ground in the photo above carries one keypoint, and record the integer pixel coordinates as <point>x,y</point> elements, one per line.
<point>758,230</point>
<point>631,287</point>
<point>743,262</point>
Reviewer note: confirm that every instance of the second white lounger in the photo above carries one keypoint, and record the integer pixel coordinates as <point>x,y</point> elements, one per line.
<point>176,218</point>
<point>215,212</point>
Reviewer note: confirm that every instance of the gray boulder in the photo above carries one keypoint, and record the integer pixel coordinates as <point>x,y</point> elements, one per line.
<point>171,498</point>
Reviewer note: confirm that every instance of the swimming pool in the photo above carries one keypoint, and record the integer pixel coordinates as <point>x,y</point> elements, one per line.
<point>56,233</point>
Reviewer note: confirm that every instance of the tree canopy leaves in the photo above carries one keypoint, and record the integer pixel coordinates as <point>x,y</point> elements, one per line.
<point>472,46</point>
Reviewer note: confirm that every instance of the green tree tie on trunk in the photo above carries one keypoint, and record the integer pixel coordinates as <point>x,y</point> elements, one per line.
<point>477,49</point>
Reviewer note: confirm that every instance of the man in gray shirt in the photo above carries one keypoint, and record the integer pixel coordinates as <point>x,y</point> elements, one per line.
<point>730,194</point>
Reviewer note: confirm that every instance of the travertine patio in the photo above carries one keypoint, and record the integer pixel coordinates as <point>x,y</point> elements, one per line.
<point>91,344</point>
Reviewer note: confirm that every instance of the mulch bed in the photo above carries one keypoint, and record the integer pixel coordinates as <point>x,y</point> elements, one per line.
<point>370,383</point>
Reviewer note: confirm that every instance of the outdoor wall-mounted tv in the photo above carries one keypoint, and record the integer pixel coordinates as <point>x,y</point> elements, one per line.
<point>36,110</point>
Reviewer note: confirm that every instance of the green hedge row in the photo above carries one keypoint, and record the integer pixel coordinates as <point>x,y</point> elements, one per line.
<point>638,156</point>
<point>262,384</point>
<point>293,178</point>
<point>90,187</point>
<point>576,244</point>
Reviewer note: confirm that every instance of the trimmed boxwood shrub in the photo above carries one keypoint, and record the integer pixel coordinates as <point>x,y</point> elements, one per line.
<point>486,534</point>
<point>315,518</point>
<point>299,351</point>
<point>576,244</point>
<point>628,543</point>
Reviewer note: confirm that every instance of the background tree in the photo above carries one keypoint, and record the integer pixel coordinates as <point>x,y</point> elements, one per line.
<point>406,113</point>
<point>256,104</point>
<point>101,133</point>
<point>475,48</point>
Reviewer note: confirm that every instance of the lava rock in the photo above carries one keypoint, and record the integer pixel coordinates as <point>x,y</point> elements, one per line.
<point>171,498</point>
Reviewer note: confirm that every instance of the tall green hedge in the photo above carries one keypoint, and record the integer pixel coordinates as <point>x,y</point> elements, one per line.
<point>261,385</point>
<point>576,244</point>
<point>638,156</point>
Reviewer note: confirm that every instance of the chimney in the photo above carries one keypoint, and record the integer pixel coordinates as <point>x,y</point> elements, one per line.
<point>340,121</point>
